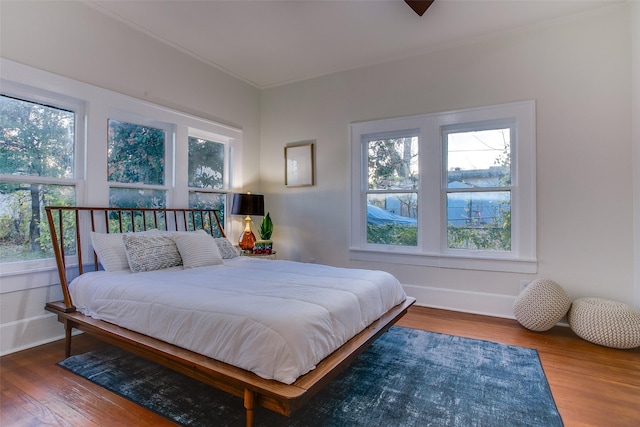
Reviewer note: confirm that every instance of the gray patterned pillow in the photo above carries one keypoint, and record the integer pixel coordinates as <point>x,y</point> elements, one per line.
<point>227,250</point>
<point>151,252</point>
<point>110,249</point>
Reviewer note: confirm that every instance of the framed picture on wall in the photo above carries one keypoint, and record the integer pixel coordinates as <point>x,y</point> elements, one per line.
<point>298,167</point>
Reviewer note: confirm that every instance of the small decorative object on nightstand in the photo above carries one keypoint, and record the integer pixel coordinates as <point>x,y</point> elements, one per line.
<point>265,245</point>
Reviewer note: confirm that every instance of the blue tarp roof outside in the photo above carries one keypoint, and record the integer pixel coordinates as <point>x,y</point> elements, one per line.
<point>378,216</point>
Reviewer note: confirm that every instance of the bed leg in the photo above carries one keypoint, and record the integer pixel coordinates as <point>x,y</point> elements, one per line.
<point>67,338</point>
<point>249,398</point>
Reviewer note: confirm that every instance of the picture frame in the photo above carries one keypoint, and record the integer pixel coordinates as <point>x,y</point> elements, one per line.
<point>299,164</point>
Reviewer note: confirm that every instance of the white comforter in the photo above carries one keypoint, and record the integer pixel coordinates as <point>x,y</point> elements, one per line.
<point>277,319</point>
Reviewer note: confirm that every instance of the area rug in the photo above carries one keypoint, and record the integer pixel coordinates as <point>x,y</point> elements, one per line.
<point>406,378</point>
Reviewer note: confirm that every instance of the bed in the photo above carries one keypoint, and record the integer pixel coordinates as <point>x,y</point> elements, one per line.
<point>271,332</point>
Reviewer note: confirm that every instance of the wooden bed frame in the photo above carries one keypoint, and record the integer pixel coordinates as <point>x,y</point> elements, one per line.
<point>274,395</point>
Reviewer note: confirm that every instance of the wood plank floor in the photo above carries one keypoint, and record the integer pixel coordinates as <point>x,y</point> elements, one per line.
<point>592,385</point>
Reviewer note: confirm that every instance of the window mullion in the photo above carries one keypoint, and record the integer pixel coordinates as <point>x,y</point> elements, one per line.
<point>478,189</point>
<point>431,200</point>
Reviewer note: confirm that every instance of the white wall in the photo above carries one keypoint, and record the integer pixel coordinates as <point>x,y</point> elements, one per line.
<point>579,72</point>
<point>75,41</point>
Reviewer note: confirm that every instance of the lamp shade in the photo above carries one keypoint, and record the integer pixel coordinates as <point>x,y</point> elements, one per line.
<point>248,204</point>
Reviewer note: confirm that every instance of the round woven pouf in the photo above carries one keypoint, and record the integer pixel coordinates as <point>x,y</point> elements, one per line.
<point>541,305</point>
<point>605,322</point>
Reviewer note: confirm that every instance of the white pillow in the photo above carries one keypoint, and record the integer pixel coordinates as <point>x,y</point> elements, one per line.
<point>110,249</point>
<point>227,250</point>
<point>197,249</point>
<point>151,252</point>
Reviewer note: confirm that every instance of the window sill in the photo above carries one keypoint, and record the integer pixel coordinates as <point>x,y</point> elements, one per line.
<point>22,280</point>
<point>24,275</point>
<point>15,268</point>
<point>510,265</point>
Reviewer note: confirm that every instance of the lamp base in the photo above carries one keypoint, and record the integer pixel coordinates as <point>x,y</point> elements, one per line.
<point>247,241</point>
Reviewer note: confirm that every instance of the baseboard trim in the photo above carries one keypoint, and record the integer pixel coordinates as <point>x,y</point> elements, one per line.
<point>487,304</point>
<point>26,333</point>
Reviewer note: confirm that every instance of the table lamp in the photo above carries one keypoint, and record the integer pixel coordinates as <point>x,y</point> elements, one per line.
<point>247,204</point>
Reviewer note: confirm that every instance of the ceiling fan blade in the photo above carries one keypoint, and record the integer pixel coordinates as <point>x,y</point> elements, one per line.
<point>419,7</point>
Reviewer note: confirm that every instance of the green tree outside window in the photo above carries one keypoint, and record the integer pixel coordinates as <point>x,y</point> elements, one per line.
<point>36,142</point>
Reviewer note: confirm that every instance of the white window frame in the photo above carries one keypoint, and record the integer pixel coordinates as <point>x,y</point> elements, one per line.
<point>432,249</point>
<point>469,127</point>
<point>366,191</point>
<point>64,102</point>
<point>169,153</point>
<point>211,135</point>
<point>227,142</point>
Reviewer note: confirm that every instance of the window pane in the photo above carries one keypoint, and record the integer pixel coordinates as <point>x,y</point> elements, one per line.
<point>393,164</point>
<point>479,220</point>
<point>135,153</point>
<point>37,140</point>
<point>391,219</point>
<point>136,198</point>
<point>201,200</point>
<point>206,163</point>
<point>24,231</point>
<point>479,159</point>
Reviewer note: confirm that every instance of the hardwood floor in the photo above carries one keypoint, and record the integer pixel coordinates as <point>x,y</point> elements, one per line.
<point>592,385</point>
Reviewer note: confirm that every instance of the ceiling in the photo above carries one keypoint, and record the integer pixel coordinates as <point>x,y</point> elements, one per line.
<point>271,42</point>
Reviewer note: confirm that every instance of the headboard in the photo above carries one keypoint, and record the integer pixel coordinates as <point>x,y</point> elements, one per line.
<point>70,228</point>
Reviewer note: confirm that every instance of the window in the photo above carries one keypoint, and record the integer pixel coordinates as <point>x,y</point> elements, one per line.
<point>392,189</point>
<point>478,188</point>
<point>136,157</point>
<point>38,146</point>
<point>206,163</point>
<point>453,189</point>
<point>208,176</point>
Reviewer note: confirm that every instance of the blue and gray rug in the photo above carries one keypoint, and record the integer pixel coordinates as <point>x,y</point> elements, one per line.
<point>406,378</point>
